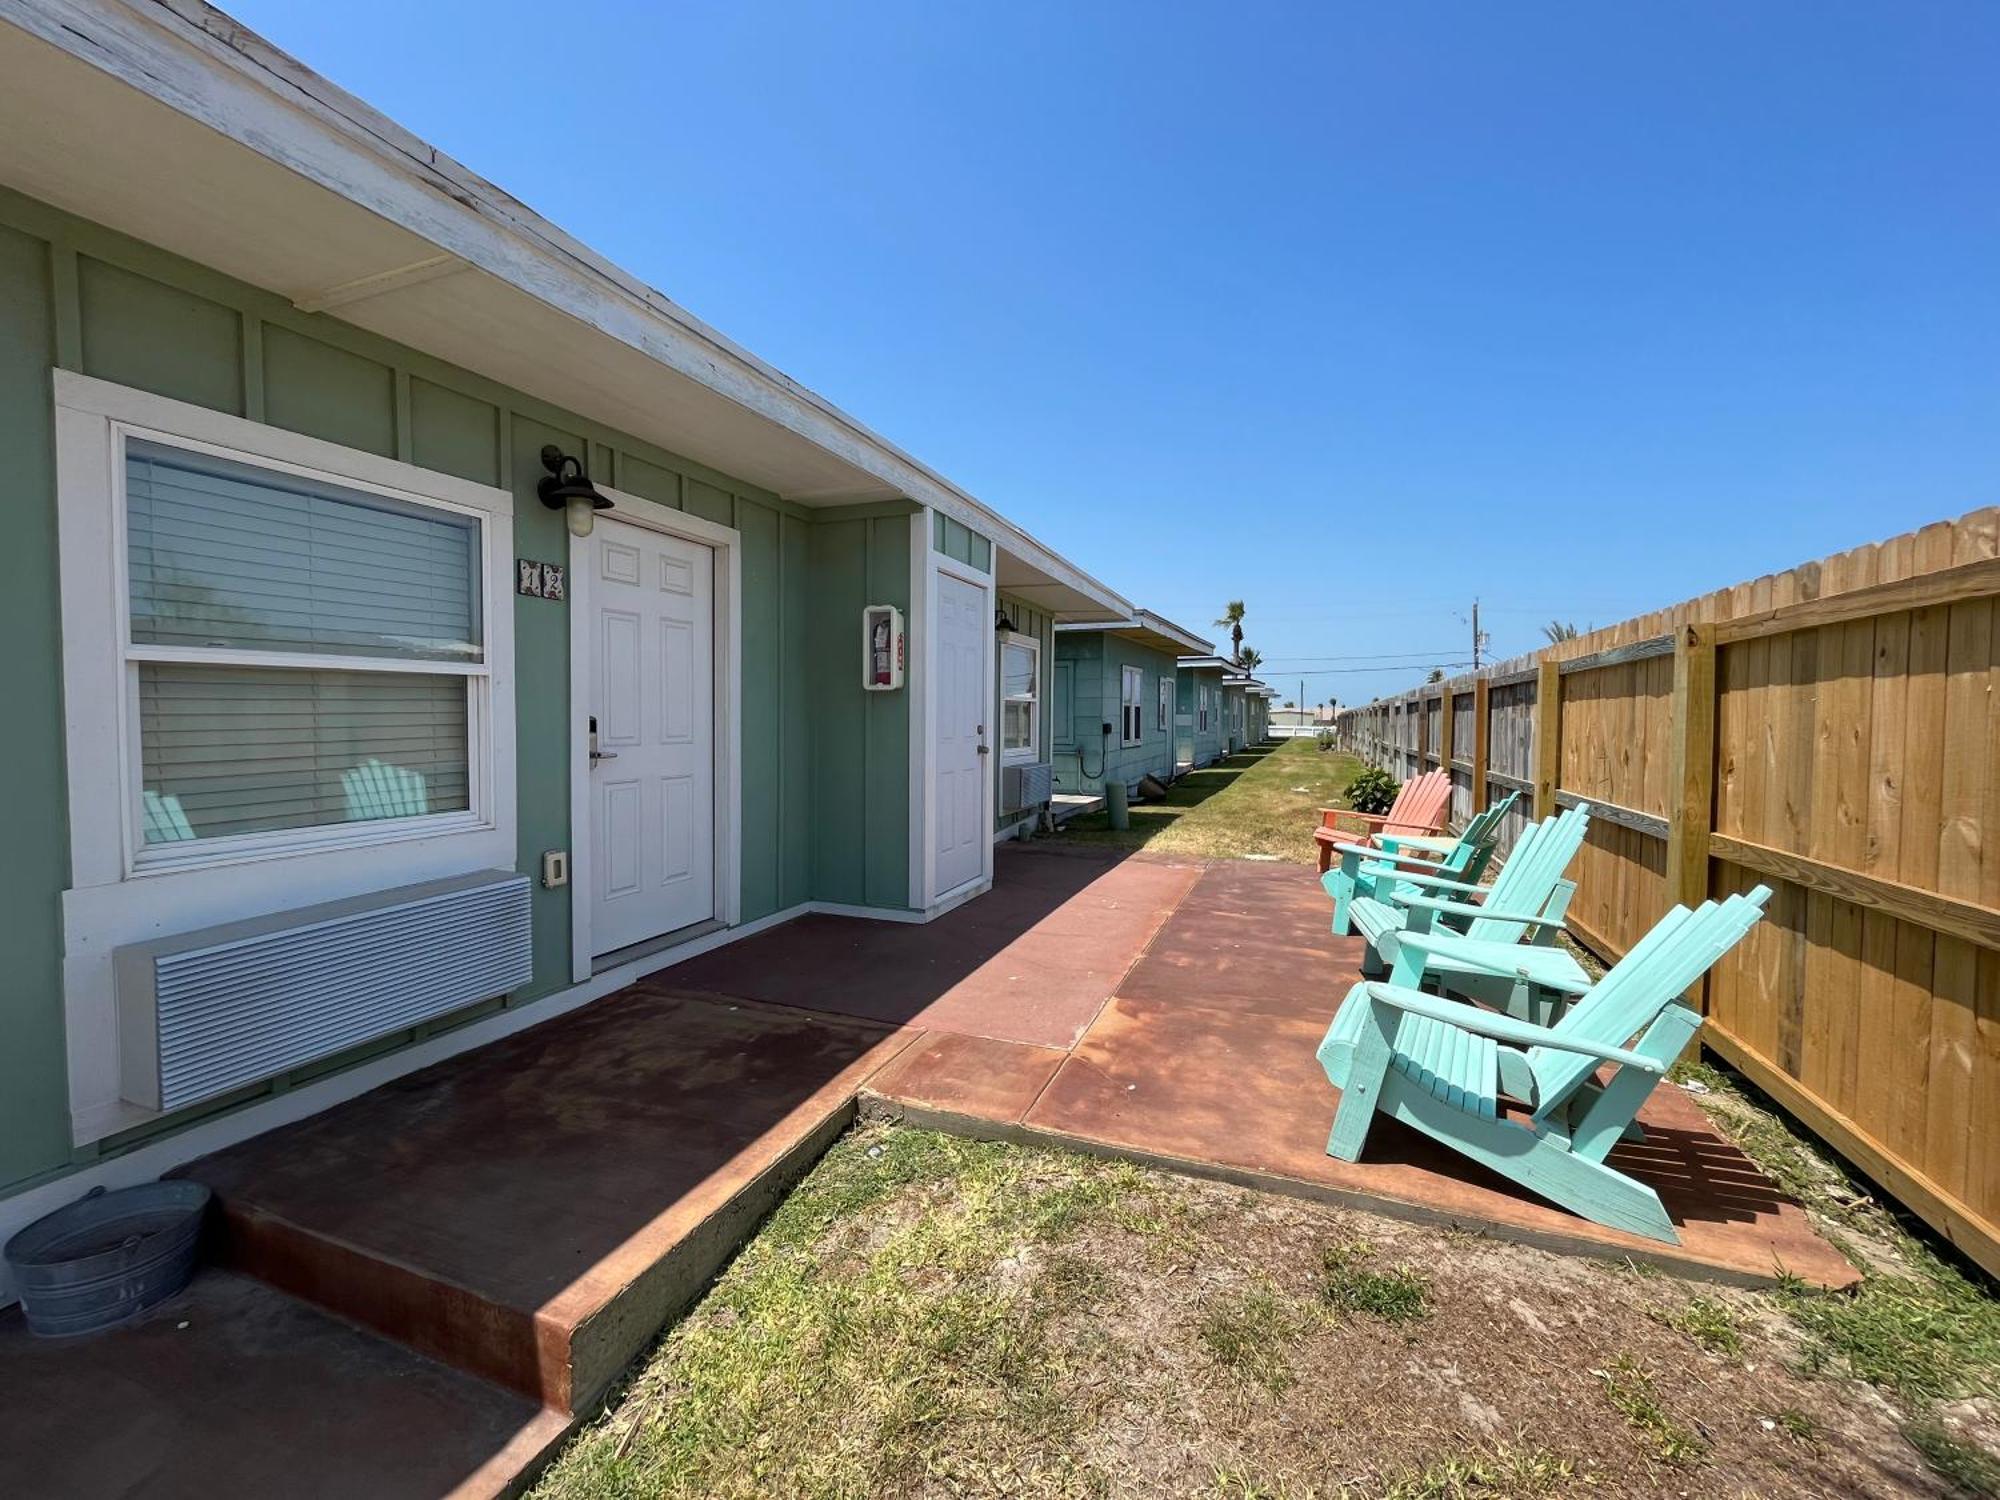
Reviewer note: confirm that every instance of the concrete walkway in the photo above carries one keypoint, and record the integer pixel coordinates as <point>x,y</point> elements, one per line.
<point>426,1286</point>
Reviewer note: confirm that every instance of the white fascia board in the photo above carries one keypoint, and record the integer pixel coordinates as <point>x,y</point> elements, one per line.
<point>1187,639</point>
<point>1204,663</point>
<point>1147,629</point>
<point>205,65</point>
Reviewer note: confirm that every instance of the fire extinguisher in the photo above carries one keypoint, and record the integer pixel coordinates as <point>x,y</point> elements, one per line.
<point>878,646</point>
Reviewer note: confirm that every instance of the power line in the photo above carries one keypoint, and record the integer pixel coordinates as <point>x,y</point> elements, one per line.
<point>1390,657</point>
<point>1342,671</point>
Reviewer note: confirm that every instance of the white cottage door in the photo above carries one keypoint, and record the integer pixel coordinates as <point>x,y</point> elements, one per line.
<point>652,777</point>
<point>965,699</point>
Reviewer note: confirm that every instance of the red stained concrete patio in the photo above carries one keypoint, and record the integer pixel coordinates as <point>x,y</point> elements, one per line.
<point>501,1233</point>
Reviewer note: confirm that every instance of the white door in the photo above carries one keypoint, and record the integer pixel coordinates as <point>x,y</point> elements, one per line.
<point>652,777</point>
<point>965,697</point>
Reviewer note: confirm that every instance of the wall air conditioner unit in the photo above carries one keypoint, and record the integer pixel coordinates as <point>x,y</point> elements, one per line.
<point>1023,787</point>
<point>209,1011</point>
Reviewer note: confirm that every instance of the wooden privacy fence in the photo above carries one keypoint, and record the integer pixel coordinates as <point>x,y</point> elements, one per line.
<point>1832,732</point>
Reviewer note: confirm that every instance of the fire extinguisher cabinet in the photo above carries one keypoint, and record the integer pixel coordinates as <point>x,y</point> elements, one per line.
<point>881,648</point>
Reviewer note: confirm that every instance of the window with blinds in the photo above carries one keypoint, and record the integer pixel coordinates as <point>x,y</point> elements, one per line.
<point>1020,696</point>
<point>305,653</point>
<point>1132,698</point>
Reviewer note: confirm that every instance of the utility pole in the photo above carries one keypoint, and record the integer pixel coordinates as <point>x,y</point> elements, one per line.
<point>1476,641</point>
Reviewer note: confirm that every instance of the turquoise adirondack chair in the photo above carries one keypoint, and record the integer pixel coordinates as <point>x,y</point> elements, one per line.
<point>1526,900</point>
<point>1531,981</point>
<point>166,819</point>
<point>1464,858</point>
<point>376,789</point>
<point>1442,1066</point>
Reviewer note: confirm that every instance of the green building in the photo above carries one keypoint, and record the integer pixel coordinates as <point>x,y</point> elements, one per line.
<point>385,563</point>
<point>1115,689</point>
<point>1200,738</point>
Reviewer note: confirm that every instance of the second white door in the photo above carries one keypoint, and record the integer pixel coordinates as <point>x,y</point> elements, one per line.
<point>965,698</point>
<point>652,700</point>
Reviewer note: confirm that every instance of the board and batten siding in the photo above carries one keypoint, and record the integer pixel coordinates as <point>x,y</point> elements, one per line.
<point>1207,746</point>
<point>1097,660</point>
<point>1027,620</point>
<point>80,297</point>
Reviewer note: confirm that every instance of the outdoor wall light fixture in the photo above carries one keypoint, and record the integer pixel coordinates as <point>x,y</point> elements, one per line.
<point>1001,622</point>
<point>567,488</point>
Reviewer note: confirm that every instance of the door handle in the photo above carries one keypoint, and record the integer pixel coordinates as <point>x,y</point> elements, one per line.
<point>597,755</point>
<point>983,750</point>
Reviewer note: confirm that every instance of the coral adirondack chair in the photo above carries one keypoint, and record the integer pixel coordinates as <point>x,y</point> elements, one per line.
<point>1464,858</point>
<point>1526,900</point>
<point>1419,809</point>
<point>1442,1067</point>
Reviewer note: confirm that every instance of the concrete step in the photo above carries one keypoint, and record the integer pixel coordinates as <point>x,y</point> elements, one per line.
<point>534,1212</point>
<point>233,1388</point>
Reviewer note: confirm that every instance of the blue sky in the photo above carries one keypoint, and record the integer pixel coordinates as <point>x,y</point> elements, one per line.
<point>1581,309</point>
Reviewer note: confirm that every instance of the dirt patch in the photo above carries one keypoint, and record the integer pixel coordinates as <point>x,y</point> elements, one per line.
<point>929,1316</point>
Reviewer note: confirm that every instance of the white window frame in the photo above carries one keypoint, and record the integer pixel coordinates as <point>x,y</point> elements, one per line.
<point>1032,751</point>
<point>1163,711</point>
<point>122,891</point>
<point>1201,702</point>
<point>142,858</point>
<point>1131,705</point>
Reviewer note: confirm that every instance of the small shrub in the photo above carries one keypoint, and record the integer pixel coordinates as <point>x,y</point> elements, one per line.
<point>1373,791</point>
<point>1324,739</point>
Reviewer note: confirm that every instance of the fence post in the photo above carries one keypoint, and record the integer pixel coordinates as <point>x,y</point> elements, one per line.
<point>1444,732</point>
<point>1548,737</point>
<point>1691,770</point>
<point>1481,742</point>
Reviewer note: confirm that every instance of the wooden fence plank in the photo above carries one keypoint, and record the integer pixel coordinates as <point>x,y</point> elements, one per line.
<point>1548,738</point>
<point>1853,760</point>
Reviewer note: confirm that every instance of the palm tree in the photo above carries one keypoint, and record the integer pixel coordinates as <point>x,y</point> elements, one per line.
<point>1249,658</point>
<point>1232,616</point>
<point>1560,630</point>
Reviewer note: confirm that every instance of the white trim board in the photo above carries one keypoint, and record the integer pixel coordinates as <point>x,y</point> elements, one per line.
<point>938,562</point>
<point>727,543</point>
<point>112,899</point>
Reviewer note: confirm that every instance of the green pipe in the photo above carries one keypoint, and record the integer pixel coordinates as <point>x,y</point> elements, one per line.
<point>1114,805</point>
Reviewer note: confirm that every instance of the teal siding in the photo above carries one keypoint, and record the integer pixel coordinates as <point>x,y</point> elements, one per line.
<point>1097,661</point>
<point>34,1121</point>
<point>1028,620</point>
<point>80,297</point>
<point>861,740</point>
<point>1194,682</point>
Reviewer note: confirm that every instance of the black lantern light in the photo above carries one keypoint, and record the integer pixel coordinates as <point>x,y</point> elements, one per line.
<point>567,488</point>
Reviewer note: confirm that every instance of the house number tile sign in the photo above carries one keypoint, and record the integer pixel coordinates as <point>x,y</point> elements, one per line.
<point>540,580</point>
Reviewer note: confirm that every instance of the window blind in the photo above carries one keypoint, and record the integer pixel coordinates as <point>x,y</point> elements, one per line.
<point>234,750</point>
<point>225,555</point>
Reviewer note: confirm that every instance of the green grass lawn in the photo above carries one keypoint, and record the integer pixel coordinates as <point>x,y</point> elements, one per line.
<point>932,1316</point>
<point>1261,802</point>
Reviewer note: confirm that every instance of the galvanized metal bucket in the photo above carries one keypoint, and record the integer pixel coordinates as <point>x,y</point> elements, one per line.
<point>107,1257</point>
